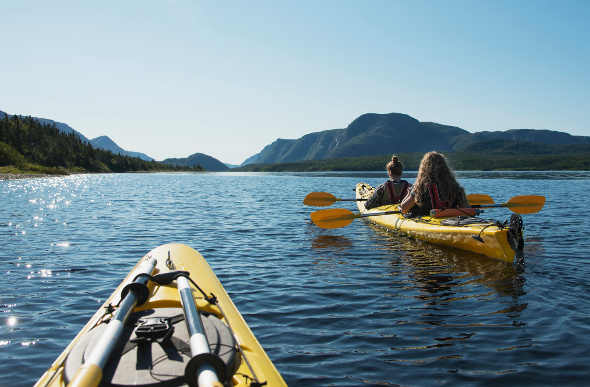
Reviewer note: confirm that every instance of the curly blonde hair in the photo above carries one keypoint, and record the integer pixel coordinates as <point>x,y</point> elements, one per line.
<point>435,169</point>
<point>395,167</point>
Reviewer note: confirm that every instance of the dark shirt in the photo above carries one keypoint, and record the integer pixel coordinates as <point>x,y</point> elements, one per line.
<point>381,195</point>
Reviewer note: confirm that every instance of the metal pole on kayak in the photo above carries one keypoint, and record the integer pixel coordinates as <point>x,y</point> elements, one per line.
<point>90,373</point>
<point>204,369</point>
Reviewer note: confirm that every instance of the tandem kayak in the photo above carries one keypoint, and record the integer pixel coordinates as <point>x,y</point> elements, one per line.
<point>171,323</point>
<point>494,239</point>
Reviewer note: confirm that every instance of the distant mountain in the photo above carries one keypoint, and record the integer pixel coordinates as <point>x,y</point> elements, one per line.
<point>104,142</point>
<point>451,133</point>
<point>370,134</point>
<point>205,161</point>
<point>381,134</point>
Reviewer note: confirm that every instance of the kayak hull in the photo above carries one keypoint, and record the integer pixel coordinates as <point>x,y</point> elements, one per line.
<point>483,238</point>
<point>250,362</point>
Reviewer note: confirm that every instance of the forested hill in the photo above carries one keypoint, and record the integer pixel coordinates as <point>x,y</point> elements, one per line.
<point>60,125</point>
<point>199,160</point>
<point>379,134</point>
<point>29,145</point>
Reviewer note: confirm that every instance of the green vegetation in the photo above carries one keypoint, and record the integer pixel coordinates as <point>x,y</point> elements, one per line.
<point>511,147</point>
<point>27,146</point>
<point>461,161</point>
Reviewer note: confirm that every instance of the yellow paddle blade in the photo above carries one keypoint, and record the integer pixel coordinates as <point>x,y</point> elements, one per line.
<point>319,199</point>
<point>477,199</point>
<point>525,204</point>
<point>333,218</point>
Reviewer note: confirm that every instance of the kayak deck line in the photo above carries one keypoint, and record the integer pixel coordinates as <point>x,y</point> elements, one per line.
<point>490,238</point>
<point>180,335</point>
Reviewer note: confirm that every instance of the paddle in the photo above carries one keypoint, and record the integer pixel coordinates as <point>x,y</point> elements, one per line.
<point>204,368</point>
<point>476,199</point>
<point>90,373</point>
<point>524,204</point>
<point>322,199</point>
<point>340,217</point>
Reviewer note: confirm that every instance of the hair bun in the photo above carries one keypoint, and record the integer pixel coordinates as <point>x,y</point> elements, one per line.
<point>394,158</point>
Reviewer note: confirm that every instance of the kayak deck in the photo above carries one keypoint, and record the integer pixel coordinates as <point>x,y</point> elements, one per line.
<point>228,335</point>
<point>466,233</point>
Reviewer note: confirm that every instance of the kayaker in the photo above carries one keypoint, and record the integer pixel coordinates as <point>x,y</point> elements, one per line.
<point>394,190</point>
<point>435,188</point>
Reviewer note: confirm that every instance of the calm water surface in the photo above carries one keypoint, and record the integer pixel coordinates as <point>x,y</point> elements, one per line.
<point>352,306</point>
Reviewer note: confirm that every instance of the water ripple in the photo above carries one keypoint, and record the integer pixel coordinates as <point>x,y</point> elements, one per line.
<point>341,307</point>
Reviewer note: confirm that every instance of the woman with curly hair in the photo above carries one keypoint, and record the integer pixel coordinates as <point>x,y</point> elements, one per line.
<point>435,188</point>
<point>394,190</point>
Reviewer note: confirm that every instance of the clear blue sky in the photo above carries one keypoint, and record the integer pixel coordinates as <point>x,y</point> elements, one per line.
<point>226,78</point>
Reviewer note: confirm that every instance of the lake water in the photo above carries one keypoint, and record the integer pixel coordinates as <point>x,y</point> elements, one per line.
<point>345,307</point>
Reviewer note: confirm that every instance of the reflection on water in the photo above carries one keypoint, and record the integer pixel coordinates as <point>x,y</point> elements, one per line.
<point>331,242</point>
<point>412,304</point>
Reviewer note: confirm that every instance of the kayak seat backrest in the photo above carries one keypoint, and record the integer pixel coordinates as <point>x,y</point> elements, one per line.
<point>142,359</point>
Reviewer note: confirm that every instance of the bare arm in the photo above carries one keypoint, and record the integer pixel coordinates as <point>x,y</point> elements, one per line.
<point>407,204</point>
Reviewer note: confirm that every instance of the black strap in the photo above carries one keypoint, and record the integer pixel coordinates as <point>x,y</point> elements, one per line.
<point>157,335</point>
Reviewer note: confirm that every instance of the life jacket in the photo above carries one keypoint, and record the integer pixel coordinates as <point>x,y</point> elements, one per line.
<point>441,208</point>
<point>437,202</point>
<point>395,199</point>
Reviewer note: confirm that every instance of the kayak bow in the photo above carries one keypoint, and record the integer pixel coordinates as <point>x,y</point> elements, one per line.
<point>170,322</point>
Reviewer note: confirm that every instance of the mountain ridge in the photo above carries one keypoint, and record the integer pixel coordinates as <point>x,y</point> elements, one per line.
<point>104,142</point>
<point>374,134</point>
<point>370,134</point>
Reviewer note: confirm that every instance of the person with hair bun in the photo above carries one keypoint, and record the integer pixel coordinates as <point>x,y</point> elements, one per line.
<point>394,190</point>
<point>435,188</point>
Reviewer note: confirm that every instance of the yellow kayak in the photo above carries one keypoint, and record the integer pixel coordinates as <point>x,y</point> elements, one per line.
<point>467,233</point>
<point>170,322</point>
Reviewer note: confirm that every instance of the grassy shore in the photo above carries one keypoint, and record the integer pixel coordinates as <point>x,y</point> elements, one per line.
<point>12,172</point>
